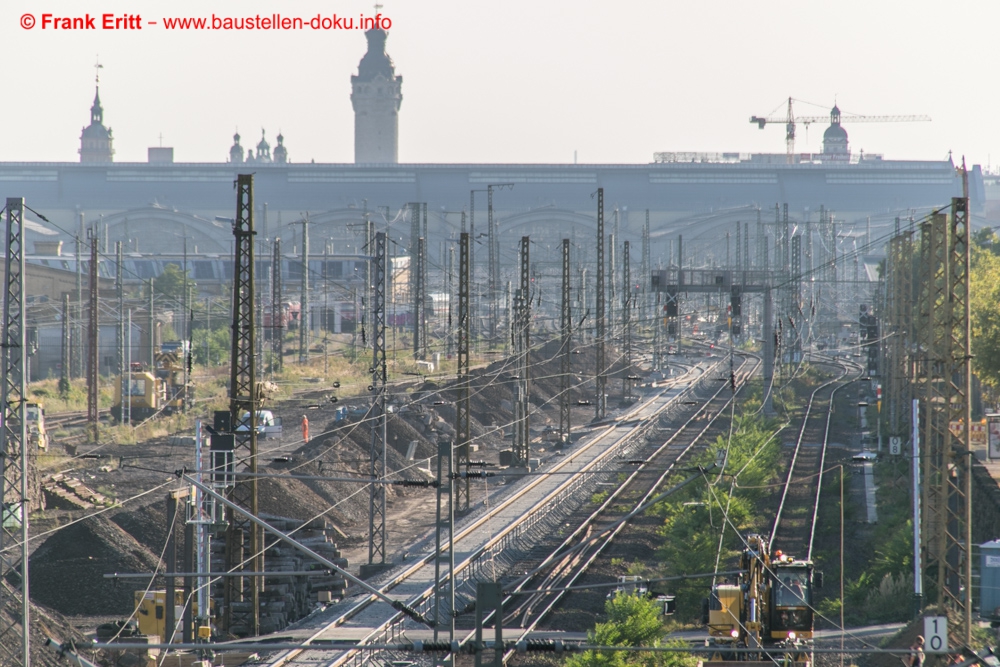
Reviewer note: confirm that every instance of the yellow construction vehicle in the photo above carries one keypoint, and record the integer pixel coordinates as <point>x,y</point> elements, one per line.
<point>145,395</point>
<point>152,616</point>
<point>768,607</point>
<point>170,363</point>
<point>160,391</point>
<point>34,418</point>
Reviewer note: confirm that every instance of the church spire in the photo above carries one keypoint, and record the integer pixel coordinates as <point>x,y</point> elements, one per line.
<point>96,112</point>
<point>96,140</point>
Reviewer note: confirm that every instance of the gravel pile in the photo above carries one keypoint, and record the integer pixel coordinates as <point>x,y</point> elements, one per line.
<point>67,570</point>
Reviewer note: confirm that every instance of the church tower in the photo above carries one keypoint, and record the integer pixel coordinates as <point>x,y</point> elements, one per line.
<point>375,95</point>
<point>835,144</point>
<point>95,140</point>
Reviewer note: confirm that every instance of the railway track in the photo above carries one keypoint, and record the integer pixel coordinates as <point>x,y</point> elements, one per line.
<point>795,533</point>
<point>493,540</point>
<point>579,551</point>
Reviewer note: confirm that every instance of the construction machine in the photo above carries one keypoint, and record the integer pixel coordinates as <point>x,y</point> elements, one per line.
<point>768,607</point>
<point>162,390</point>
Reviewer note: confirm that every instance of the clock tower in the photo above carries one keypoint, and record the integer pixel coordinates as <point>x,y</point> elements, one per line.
<point>376,96</point>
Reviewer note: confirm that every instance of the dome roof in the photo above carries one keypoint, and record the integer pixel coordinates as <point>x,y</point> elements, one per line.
<point>96,131</point>
<point>263,145</point>
<point>376,61</point>
<point>835,132</point>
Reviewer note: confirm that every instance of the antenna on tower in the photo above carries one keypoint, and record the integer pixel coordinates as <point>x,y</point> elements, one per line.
<point>97,69</point>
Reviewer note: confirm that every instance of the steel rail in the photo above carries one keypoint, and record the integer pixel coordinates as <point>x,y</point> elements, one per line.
<point>573,575</point>
<point>484,519</point>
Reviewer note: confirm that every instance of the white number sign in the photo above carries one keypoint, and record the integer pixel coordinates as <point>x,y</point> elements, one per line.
<point>935,634</point>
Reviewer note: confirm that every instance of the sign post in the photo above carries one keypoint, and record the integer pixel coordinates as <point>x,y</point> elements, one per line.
<point>935,634</point>
<point>993,436</point>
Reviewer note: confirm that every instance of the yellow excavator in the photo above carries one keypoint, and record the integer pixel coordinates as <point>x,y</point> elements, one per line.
<point>768,607</point>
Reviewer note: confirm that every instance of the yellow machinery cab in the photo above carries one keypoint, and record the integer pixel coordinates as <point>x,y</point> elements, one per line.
<point>145,396</point>
<point>791,600</point>
<point>724,611</point>
<point>152,616</point>
<point>34,418</point>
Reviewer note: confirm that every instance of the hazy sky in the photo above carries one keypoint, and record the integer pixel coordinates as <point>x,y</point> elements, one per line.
<point>511,81</point>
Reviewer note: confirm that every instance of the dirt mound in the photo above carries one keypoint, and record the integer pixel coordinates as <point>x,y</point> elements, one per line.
<point>67,570</point>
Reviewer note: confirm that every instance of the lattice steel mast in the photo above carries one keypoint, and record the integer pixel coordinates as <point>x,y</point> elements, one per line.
<point>244,539</point>
<point>277,310</point>
<point>14,597</point>
<point>420,300</point>
<point>93,331</point>
<point>601,404</point>
<point>462,406</point>
<point>627,321</point>
<point>565,356</point>
<point>304,309</point>
<point>376,510</point>
<point>522,347</point>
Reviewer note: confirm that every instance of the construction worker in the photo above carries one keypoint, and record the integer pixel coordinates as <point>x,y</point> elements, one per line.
<point>305,429</point>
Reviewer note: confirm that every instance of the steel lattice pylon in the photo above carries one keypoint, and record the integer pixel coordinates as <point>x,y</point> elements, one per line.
<point>795,297</point>
<point>627,320</point>
<point>644,269</point>
<point>244,539</point>
<point>898,364</point>
<point>420,300</point>
<point>463,433</point>
<point>376,510</point>
<point>958,483</point>
<point>14,598</point>
<point>277,311</point>
<point>565,355</point>
<point>601,404</point>
<point>93,331</point>
<point>493,284</point>
<point>522,347</point>
<point>934,348</point>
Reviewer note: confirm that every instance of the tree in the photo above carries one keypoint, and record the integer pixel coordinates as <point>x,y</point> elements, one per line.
<point>984,286</point>
<point>170,283</point>
<point>633,620</point>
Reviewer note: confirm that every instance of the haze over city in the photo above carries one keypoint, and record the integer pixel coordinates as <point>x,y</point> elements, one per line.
<point>516,81</point>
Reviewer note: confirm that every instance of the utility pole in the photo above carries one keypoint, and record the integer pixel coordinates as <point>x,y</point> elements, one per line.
<point>627,322</point>
<point>379,373</point>
<point>566,354</point>
<point>369,288</point>
<point>450,290</point>
<point>15,609</point>
<point>244,539</point>
<point>152,330</point>
<point>645,268</point>
<point>494,264</point>
<point>474,312</point>
<point>77,347</point>
<point>522,346</point>
<point>277,310</point>
<point>304,309</point>
<point>612,283</point>
<point>92,351</point>
<point>463,433</point>
<point>493,234</point>
<point>66,329</point>
<point>601,404</point>
<point>123,370</point>
<point>420,301</point>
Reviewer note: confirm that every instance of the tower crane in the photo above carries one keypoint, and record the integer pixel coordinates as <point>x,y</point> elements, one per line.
<point>791,121</point>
